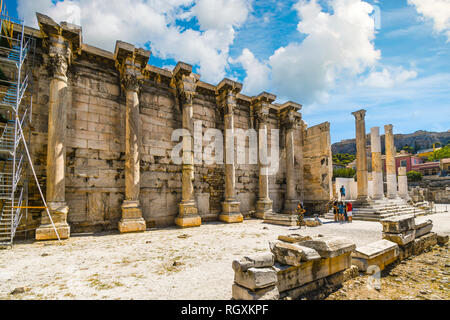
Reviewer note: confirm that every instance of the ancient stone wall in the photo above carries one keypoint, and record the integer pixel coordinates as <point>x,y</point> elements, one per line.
<point>318,171</point>
<point>95,103</point>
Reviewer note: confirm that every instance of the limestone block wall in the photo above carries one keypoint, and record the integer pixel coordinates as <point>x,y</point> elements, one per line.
<point>95,146</point>
<point>318,170</point>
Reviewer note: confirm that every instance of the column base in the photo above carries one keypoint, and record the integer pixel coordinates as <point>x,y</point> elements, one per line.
<point>290,206</point>
<point>58,212</point>
<point>188,215</point>
<point>263,208</point>
<point>132,220</point>
<point>231,212</point>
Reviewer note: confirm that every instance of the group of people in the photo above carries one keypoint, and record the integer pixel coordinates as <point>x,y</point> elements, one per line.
<point>343,211</point>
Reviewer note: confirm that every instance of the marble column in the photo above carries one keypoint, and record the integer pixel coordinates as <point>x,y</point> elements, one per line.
<point>60,56</point>
<point>377,164</point>
<point>391,174</point>
<point>290,121</point>
<point>227,91</point>
<point>186,83</point>
<point>261,111</point>
<point>361,156</point>
<point>131,62</point>
<point>402,183</point>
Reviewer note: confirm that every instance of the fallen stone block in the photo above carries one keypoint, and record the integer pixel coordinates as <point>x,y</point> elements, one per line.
<point>312,222</point>
<point>442,239</point>
<point>424,243</point>
<point>330,247</point>
<point>256,278</point>
<point>398,224</point>
<point>423,228</point>
<point>402,238</point>
<point>406,251</point>
<point>293,238</point>
<point>241,293</point>
<point>292,254</point>
<point>303,290</point>
<point>380,253</point>
<point>260,260</point>
<point>294,277</point>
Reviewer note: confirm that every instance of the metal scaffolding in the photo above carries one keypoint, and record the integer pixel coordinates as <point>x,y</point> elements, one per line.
<point>16,101</point>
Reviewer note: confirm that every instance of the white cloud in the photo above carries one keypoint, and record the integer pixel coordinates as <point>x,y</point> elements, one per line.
<point>436,10</point>
<point>140,21</point>
<point>337,45</point>
<point>389,77</point>
<point>257,79</point>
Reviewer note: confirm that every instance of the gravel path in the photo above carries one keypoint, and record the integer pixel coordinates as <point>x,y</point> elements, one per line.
<point>167,263</point>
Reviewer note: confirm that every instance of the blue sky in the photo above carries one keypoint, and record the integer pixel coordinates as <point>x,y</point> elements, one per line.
<point>332,56</point>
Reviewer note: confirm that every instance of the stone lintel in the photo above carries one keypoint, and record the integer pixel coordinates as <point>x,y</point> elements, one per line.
<point>228,85</point>
<point>182,69</point>
<point>264,97</point>
<point>72,33</point>
<point>126,50</point>
<point>288,106</point>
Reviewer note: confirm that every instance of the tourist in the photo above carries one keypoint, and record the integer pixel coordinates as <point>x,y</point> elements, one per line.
<point>335,211</point>
<point>301,212</point>
<point>345,212</point>
<point>341,211</point>
<point>350,211</point>
<point>342,190</point>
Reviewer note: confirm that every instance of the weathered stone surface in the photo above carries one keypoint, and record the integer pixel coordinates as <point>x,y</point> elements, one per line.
<point>398,224</point>
<point>188,221</point>
<point>330,247</point>
<point>406,251</point>
<point>47,232</point>
<point>442,239</point>
<point>424,243</point>
<point>293,277</point>
<point>292,254</point>
<point>293,238</point>
<point>312,222</point>
<point>423,228</point>
<point>380,253</point>
<point>241,293</point>
<point>132,225</point>
<point>303,290</point>
<point>402,238</point>
<point>260,260</point>
<point>256,278</point>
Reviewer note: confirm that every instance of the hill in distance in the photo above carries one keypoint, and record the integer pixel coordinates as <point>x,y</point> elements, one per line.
<point>417,140</point>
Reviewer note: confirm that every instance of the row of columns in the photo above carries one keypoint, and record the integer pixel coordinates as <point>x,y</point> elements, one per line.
<point>377,164</point>
<point>63,40</point>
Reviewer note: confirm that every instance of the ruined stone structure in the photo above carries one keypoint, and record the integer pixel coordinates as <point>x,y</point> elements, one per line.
<point>103,142</point>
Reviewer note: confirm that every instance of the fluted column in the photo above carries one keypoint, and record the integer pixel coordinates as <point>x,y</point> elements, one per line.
<point>391,174</point>
<point>130,63</point>
<point>186,84</point>
<point>59,59</point>
<point>290,121</point>
<point>261,111</point>
<point>361,156</point>
<point>227,91</point>
<point>377,165</point>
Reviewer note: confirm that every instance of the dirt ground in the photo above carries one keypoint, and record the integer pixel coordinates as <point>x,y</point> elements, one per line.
<point>193,264</point>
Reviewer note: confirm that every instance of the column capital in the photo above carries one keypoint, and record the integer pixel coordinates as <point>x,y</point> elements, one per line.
<point>289,115</point>
<point>261,106</point>
<point>62,40</point>
<point>185,83</point>
<point>360,114</point>
<point>227,91</point>
<point>130,62</point>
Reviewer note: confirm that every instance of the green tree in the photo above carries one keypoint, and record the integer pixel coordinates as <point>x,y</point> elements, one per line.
<point>440,154</point>
<point>343,158</point>
<point>344,173</point>
<point>414,176</point>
